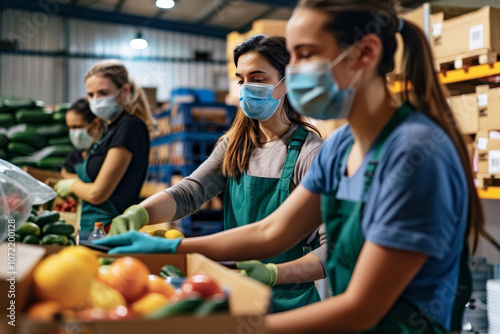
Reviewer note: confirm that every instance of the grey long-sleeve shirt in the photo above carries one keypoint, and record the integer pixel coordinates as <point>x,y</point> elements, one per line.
<point>207,180</point>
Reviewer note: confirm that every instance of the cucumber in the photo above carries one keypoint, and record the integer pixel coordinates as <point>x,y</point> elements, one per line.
<point>12,103</point>
<point>3,154</point>
<point>4,140</point>
<point>33,116</point>
<point>54,163</point>
<point>170,270</point>
<point>63,107</point>
<point>31,239</point>
<point>55,239</point>
<point>71,239</point>
<point>6,120</point>
<point>29,229</point>
<point>58,228</point>
<point>59,141</point>
<point>20,148</point>
<point>184,306</point>
<point>28,137</point>
<point>31,218</point>
<point>59,117</point>
<point>54,130</point>
<point>22,161</point>
<point>47,217</point>
<point>18,237</point>
<point>71,242</point>
<point>60,151</point>
<point>212,305</point>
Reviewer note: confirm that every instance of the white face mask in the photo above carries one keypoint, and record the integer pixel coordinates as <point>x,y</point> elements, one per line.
<point>106,107</point>
<point>80,138</point>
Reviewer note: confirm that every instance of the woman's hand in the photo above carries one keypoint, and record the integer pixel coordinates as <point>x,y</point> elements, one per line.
<point>63,188</point>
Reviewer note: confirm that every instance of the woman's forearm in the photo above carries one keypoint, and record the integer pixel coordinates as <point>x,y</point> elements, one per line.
<point>305,269</point>
<point>161,207</point>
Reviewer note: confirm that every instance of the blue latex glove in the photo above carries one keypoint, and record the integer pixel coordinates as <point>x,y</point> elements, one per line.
<point>136,242</point>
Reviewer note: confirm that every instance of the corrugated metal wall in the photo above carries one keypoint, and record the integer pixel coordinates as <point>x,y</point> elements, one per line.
<point>44,76</point>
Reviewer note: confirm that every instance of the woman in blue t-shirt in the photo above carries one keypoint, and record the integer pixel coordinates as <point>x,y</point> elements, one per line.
<point>394,186</point>
<point>110,178</point>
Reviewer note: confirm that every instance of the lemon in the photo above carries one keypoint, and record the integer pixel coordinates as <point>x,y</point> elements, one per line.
<point>149,303</point>
<point>173,234</point>
<point>105,297</point>
<point>62,279</point>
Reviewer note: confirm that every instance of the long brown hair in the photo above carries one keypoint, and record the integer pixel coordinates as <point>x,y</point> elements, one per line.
<point>350,20</point>
<point>244,135</point>
<point>136,102</point>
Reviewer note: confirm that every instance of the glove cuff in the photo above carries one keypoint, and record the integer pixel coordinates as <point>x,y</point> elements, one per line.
<point>140,212</point>
<point>171,245</point>
<point>273,274</point>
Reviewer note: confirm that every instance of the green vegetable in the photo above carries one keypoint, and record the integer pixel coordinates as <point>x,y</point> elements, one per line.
<point>18,237</point>
<point>46,217</point>
<point>63,107</point>
<point>31,218</point>
<point>31,239</point>
<point>58,228</point>
<point>12,103</point>
<point>212,305</point>
<point>71,239</point>
<point>171,271</point>
<point>105,261</point>
<point>22,161</point>
<point>3,140</point>
<point>20,148</point>
<point>60,151</point>
<point>6,120</point>
<point>54,130</point>
<point>59,141</point>
<point>55,239</point>
<point>71,242</point>
<point>28,137</point>
<point>29,229</point>
<point>59,117</point>
<point>34,211</point>
<point>33,116</point>
<point>3,154</point>
<point>184,306</point>
<point>54,163</point>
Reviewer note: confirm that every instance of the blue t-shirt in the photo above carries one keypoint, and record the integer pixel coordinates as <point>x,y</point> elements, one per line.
<point>418,202</point>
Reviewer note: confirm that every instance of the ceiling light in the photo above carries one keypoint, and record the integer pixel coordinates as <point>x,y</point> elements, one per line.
<point>165,4</point>
<point>138,42</point>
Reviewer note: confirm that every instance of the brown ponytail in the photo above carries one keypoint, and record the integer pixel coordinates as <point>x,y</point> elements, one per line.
<point>352,20</point>
<point>136,102</point>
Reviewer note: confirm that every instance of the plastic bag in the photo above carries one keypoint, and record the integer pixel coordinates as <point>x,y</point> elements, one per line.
<point>40,192</point>
<point>15,206</point>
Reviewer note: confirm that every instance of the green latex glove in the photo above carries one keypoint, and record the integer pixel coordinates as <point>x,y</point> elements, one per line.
<point>264,273</point>
<point>63,187</point>
<point>137,242</point>
<point>133,218</point>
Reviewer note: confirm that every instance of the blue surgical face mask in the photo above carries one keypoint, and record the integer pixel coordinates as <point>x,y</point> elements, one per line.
<point>257,100</point>
<point>80,138</point>
<point>106,107</point>
<point>314,92</point>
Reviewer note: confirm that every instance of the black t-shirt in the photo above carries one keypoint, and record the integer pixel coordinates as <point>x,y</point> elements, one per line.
<point>73,158</point>
<point>131,133</point>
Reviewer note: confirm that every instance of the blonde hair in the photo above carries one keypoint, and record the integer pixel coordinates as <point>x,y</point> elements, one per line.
<point>136,103</point>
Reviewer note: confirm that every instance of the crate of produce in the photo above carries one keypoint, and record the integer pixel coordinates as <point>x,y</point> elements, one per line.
<point>472,38</point>
<point>214,117</point>
<point>136,302</point>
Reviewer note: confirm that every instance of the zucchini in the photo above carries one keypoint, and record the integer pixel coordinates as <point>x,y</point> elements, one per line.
<point>18,237</point>
<point>3,154</point>
<point>4,140</point>
<point>20,148</point>
<point>54,130</point>
<point>54,163</point>
<point>55,239</point>
<point>58,228</point>
<point>31,218</point>
<point>12,103</point>
<point>71,239</point>
<point>33,116</point>
<point>59,141</point>
<point>187,305</point>
<point>29,229</point>
<point>31,239</point>
<point>60,151</point>
<point>212,305</point>
<point>6,120</point>
<point>28,137</point>
<point>59,117</point>
<point>170,270</point>
<point>22,161</point>
<point>46,217</point>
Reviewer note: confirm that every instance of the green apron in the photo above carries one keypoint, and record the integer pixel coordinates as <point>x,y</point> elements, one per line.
<point>249,199</point>
<point>103,212</point>
<point>345,237</point>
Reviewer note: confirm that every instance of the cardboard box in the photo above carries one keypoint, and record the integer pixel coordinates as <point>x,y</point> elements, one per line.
<point>488,101</point>
<point>41,174</point>
<point>466,112</point>
<point>488,151</point>
<point>248,299</point>
<point>472,34</point>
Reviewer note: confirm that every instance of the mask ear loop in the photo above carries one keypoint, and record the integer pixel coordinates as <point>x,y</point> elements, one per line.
<point>341,57</point>
<point>355,78</point>
<point>284,91</point>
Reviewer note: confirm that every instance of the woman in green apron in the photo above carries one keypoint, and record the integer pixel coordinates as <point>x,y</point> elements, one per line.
<point>394,187</point>
<point>257,164</point>
<point>110,178</point>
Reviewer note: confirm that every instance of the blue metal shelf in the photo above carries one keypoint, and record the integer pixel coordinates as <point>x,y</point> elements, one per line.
<point>186,136</point>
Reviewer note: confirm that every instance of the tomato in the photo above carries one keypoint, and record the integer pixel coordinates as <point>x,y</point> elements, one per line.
<point>202,284</point>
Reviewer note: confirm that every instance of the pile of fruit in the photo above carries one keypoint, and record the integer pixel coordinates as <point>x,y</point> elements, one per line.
<point>46,228</point>
<point>29,136</point>
<point>168,234</point>
<point>77,285</point>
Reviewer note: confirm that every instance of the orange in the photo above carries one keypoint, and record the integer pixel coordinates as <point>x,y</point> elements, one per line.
<point>61,279</point>
<point>44,310</point>
<point>149,303</point>
<point>159,285</point>
<point>84,255</point>
<point>127,275</point>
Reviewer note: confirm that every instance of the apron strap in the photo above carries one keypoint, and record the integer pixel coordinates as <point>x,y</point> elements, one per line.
<point>292,155</point>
